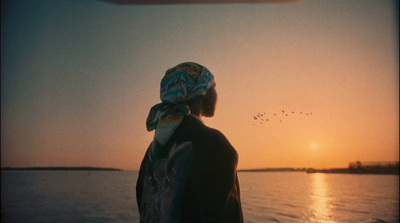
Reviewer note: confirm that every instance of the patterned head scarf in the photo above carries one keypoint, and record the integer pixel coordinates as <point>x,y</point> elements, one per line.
<point>182,83</point>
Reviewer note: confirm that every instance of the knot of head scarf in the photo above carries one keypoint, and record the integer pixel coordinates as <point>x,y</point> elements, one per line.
<point>180,84</point>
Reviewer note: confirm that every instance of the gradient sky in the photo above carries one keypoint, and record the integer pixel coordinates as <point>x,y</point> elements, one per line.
<point>79,77</point>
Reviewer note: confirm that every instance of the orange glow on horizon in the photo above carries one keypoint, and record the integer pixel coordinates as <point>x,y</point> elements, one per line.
<point>327,81</point>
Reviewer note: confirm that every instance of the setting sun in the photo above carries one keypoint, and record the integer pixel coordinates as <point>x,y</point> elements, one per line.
<point>314,146</point>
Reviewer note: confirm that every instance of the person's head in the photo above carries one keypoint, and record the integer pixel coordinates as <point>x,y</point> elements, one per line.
<point>191,84</point>
<point>187,88</point>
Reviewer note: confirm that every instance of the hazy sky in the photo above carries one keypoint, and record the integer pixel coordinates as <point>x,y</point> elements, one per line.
<point>79,77</point>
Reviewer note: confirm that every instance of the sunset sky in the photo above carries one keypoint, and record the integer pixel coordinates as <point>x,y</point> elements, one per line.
<point>78,79</point>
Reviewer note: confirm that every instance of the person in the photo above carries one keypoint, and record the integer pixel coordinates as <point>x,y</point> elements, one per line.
<point>188,173</point>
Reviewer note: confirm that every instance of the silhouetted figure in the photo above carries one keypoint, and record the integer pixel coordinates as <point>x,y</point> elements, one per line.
<point>188,173</point>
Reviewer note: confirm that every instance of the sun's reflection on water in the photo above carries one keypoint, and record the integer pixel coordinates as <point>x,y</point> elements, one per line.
<point>320,205</point>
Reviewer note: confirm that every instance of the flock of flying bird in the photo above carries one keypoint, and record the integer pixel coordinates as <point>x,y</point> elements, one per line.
<point>261,116</point>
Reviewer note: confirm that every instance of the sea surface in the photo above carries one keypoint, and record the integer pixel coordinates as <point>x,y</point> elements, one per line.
<point>109,196</point>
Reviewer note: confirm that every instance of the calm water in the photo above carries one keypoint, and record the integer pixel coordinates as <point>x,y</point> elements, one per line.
<point>102,196</point>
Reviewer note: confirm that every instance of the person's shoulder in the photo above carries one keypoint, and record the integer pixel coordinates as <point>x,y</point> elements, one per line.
<point>194,125</point>
<point>211,136</point>
<point>215,134</point>
<point>220,141</point>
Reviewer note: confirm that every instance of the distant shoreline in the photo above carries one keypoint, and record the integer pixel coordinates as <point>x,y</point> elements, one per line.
<point>387,171</point>
<point>62,168</point>
<point>277,170</point>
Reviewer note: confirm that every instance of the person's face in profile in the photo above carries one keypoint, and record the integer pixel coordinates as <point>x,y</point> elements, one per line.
<point>209,102</point>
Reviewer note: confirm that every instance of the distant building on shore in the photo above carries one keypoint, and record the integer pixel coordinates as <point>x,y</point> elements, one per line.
<point>374,167</point>
<point>359,167</point>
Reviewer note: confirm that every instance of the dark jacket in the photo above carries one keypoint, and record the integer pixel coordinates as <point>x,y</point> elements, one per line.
<point>195,182</point>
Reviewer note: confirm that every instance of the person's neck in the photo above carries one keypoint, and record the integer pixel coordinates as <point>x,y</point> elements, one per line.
<point>196,116</point>
<point>195,112</point>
